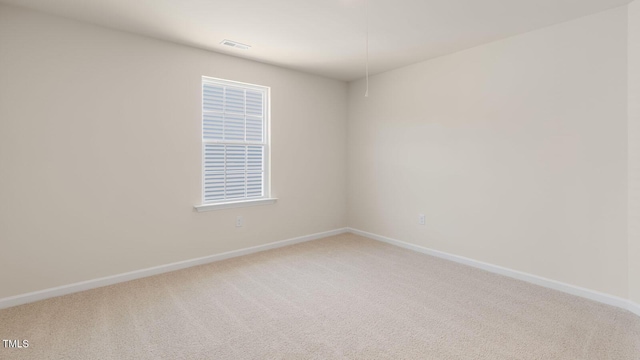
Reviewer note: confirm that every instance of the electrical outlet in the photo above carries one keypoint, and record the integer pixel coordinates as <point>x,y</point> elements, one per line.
<point>421,219</point>
<point>239,221</point>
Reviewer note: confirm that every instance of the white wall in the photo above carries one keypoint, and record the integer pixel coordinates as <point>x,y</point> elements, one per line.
<point>634,151</point>
<point>100,153</point>
<point>516,151</point>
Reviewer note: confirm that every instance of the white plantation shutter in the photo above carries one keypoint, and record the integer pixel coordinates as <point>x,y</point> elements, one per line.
<point>234,118</point>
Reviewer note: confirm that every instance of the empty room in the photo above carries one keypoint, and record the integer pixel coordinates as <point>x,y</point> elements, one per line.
<point>320,179</point>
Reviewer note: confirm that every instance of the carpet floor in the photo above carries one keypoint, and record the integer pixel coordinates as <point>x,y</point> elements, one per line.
<point>339,297</point>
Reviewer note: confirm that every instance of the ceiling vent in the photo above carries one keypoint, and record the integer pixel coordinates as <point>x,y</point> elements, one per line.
<point>235,44</point>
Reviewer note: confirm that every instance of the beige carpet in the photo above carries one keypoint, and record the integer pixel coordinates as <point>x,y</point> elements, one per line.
<point>339,297</point>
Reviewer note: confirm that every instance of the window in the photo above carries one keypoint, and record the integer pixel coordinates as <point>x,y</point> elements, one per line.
<point>235,144</point>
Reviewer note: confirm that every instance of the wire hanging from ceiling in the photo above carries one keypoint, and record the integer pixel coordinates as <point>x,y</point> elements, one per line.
<point>366,16</point>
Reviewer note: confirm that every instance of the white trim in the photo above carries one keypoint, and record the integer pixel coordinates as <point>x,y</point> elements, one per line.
<point>234,204</point>
<point>217,81</point>
<point>530,278</point>
<point>634,307</point>
<point>137,274</point>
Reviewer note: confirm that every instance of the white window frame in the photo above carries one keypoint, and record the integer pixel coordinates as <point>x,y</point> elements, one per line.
<point>266,198</point>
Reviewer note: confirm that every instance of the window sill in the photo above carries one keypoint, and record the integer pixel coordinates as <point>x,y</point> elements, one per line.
<point>234,204</point>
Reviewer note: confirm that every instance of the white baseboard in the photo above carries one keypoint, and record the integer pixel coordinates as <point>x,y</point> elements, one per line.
<point>634,307</point>
<point>137,274</point>
<point>534,279</point>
